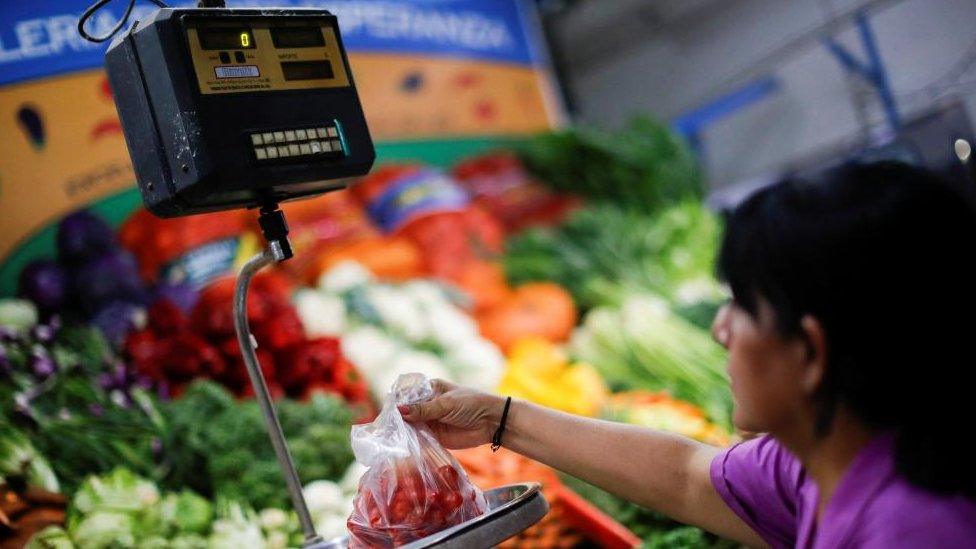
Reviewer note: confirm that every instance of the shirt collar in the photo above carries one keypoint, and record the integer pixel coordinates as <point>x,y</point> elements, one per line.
<point>871,470</point>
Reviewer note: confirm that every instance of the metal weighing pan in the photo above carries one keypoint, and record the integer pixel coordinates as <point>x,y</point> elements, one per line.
<point>511,509</point>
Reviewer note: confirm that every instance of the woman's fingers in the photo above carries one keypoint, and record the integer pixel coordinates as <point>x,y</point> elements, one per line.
<point>426,411</point>
<point>441,386</point>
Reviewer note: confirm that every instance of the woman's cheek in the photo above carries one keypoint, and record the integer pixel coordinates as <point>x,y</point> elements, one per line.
<point>741,399</point>
<point>749,396</point>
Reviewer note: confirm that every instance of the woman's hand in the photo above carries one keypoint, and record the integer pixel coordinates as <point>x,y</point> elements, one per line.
<point>458,416</point>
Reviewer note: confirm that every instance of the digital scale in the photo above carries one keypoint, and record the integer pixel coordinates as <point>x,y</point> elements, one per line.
<point>246,108</point>
<point>227,108</point>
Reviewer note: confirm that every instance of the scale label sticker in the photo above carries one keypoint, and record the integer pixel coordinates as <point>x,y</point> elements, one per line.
<point>237,71</point>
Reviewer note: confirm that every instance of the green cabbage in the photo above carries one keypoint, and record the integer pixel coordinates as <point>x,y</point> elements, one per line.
<point>120,491</point>
<point>104,530</point>
<point>52,537</point>
<point>18,458</point>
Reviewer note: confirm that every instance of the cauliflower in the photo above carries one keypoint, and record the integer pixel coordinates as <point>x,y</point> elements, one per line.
<point>322,314</point>
<point>344,276</point>
<point>235,529</point>
<point>477,363</point>
<point>398,311</point>
<point>323,497</point>
<point>450,326</point>
<point>331,526</point>
<point>369,349</point>
<point>273,519</point>
<point>350,480</point>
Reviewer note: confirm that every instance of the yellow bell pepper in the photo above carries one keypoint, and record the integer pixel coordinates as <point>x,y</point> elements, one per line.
<point>659,410</point>
<point>540,371</point>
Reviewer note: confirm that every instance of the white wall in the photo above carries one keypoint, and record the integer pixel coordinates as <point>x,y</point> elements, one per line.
<point>679,67</point>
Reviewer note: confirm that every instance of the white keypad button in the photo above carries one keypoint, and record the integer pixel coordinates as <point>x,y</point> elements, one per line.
<point>293,149</point>
<point>301,135</point>
<point>289,135</point>
<point>315,147</point>
<point>336,145</point>
<point>260,153</point>
<point>326,147</point>
<point>283,151</point>
<point>256,139</point>
<point>272,152</point>
<point>333,132</point>
<point>279,137</point>
<point>267,138</point>
<point>304,148</point>
<point>321,132</point>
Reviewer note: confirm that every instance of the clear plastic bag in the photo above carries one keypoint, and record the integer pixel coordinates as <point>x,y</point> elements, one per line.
<point>413,487</point>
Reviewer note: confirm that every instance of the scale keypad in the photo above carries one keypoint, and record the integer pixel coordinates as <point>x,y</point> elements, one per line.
<point>297,143</point>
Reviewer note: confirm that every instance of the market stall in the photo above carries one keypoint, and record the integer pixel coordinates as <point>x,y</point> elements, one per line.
<point>125,388</point>
<point>569,267</point>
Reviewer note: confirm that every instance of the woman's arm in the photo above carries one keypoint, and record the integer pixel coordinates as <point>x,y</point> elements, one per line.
<point>661,471</point>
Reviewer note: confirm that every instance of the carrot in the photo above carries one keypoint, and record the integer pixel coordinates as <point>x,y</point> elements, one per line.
<point>485,282</point>
<point>541,309</point>
<point>387,257</point>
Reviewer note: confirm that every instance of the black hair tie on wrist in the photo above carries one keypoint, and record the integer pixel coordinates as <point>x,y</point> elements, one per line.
<point>496,439</point>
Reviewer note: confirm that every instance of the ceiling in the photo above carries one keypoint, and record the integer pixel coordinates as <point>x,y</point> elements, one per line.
<point>589,31</point>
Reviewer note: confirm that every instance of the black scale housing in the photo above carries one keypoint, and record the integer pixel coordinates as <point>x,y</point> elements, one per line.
<point>191,151</point>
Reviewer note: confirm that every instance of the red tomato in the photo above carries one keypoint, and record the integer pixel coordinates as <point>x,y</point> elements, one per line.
<point>165,318</point>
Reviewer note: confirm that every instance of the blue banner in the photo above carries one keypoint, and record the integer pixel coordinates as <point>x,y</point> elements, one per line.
<point>39,38</point>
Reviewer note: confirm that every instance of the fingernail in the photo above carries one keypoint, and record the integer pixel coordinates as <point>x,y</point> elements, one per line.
<point>404,409</point>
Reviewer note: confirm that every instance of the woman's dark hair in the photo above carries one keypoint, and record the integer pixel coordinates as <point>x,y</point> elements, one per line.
<point>882,255</point>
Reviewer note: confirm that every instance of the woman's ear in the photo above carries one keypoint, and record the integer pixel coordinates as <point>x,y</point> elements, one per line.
<point>815,363</point>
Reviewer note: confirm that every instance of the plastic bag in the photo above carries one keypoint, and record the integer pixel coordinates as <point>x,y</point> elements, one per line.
<point>413,487</point>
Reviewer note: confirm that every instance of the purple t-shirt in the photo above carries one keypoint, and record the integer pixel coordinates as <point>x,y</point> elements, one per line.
<point>872,506</point>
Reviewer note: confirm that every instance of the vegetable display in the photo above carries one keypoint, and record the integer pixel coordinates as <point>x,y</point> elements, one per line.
<point>121,509</point>
<point>176,348</point>
<point>500,183</point>
<point>659,410</point>
<point>219,447</point>
<point>656,530</point>
<point>388,329</point>
<point>576,271</point>
<point>644,345</point>
<point>540,371</point>
<point>94,278</point>
<point>21,463</point>
<point>540,309</point>
<point>644,166</point>
<point>72,398</point>
<point>195,249</point>
<point>604,253</point>
<point>430,209</point>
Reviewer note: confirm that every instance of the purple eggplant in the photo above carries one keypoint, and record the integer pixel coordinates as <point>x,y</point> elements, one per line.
<point>110,277</point>
<point>117,319</point>
<point>82,236</point>
<point>45,283</point>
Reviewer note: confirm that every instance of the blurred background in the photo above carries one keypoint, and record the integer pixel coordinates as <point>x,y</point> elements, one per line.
<point>764,86</point>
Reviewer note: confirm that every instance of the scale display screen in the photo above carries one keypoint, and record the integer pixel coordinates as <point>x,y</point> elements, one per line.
<point>306,70</point>
<point>297,37</point>
<point>226,39</point>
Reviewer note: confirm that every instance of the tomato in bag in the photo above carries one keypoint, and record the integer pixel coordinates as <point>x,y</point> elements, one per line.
<point>413,487</point>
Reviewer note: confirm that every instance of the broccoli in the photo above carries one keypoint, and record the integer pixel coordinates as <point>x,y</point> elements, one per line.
<point>226,451</point>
